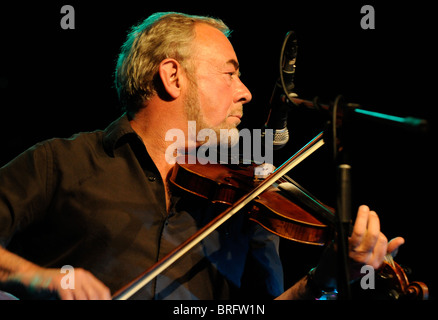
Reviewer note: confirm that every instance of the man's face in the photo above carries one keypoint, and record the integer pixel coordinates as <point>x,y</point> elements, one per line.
<point>215,101</point>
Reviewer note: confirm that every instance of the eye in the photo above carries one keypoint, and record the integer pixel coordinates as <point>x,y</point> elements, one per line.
<point>234,74</point>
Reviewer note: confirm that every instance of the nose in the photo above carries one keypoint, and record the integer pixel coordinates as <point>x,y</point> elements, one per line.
<point>243,95</point>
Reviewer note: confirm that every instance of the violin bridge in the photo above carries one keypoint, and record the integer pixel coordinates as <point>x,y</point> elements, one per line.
<point>262,171</point>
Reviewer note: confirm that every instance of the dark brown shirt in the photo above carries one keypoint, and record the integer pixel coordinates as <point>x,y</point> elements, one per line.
<point>96,201</point>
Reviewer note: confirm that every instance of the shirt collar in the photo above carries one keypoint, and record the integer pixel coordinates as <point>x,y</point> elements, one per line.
<point>113,134</point>
<point>119,133</point>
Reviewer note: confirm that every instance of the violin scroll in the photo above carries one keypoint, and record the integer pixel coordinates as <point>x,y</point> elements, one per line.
<point>399,283</point>
<point>392,283</point>
<point>417,291</point>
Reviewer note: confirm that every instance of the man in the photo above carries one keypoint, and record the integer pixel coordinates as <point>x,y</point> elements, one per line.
<point>101,202</point>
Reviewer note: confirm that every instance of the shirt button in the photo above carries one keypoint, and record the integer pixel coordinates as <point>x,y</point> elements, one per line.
<point>152,178</point>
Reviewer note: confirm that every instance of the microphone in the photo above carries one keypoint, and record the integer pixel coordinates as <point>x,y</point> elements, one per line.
<point>283,93</point>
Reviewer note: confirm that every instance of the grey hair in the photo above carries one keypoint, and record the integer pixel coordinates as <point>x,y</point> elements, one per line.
<point>162,35</point>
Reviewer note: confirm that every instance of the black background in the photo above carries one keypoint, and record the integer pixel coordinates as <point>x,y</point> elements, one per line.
<point>56,82</point>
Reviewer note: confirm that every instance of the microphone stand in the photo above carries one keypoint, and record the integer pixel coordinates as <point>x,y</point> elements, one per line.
<point>343,201</point>
<point>340,132</point>
<point>340,153</point>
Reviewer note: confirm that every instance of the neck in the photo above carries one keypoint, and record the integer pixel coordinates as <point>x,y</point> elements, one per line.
<point>151,124</point>
<point>154,141</point>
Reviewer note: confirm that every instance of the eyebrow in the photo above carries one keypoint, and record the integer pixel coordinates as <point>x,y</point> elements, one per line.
<point>234,63</point>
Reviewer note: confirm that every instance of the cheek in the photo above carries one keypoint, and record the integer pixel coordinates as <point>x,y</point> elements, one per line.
<point>215,105</point>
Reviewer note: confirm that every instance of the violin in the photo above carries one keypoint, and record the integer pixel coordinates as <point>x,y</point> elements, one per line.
<point>289,211</point>
<point>283,209</point>
<point>277,203</point>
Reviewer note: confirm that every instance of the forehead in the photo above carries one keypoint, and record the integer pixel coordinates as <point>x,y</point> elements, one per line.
<point>213,46</point>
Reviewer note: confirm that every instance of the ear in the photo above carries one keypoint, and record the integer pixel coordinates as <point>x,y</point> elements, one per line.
<point>171,76</point>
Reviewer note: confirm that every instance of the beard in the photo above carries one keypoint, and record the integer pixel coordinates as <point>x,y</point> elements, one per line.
<point>227,135</point>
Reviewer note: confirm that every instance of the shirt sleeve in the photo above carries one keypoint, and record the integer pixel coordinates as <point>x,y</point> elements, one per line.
<point>24,184</point>
<point>263,276</point>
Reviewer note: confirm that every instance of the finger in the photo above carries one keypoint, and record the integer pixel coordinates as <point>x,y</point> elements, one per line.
<point>106,294</point>
<point>90,292</point>
<point>366,230</point>
<point>86,286</point>
<point>360,226</point>
<point>66,294</point>
<point>77,294</point>
<point>394,245</point>
<point>98,291</point>
<point>94,288</point>
<point>372,233</point>
<point>379,251</point>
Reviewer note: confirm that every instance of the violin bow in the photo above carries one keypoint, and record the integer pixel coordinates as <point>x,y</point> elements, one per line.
<point>143,279</point>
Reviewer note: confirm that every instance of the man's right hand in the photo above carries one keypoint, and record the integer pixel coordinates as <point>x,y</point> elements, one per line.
<point>85,285</point>
<point>33,279</point>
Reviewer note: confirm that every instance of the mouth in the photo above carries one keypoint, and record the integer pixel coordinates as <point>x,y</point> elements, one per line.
<point>238,117</point>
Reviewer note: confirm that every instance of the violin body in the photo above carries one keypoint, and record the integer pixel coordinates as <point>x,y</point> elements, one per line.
<point>216,183</point>
<point>291,222</point>
<point>225,184</point>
